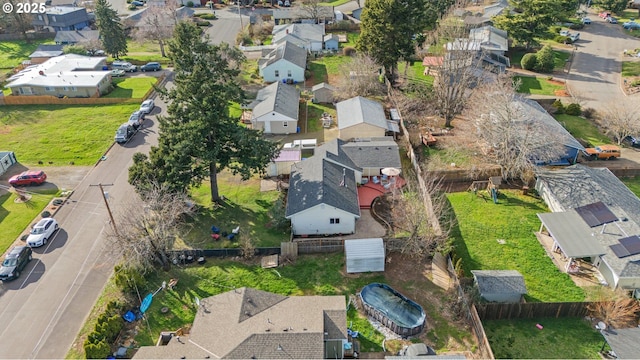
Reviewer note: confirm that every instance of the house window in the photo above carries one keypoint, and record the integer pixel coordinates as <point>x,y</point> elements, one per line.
<point>73,88</point>
<point>53,18</point>
<point>49,89</point>
<point>277,73</point>
<point>285,123</point>
<point>288,73</point>
<point>334,221</point>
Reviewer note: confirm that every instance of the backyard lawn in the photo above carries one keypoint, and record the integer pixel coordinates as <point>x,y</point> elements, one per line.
<point>582,129</point>
<point>326,67</point>
<point>563,338</point>
<point>61,134</point>
<point>313,114</point>
<point>537,86</point>
<point>245,206</point>
<point>131,87</point>
<point>633,184</point>
<point>13,53</point>
<point>15,217</point>
<point>501,237</point>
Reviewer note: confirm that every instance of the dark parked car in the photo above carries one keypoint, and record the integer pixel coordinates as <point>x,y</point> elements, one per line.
<point>152,66</point>
<point>15,261</point>
<point>31,177</point>
<point>137,3</point>
<point>124,133</point>
<point>633,141</point>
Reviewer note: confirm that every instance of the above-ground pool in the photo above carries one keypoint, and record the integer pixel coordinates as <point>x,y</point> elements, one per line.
<point>392,309</point>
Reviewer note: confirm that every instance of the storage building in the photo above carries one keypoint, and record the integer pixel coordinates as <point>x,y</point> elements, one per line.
<point>364,255</point>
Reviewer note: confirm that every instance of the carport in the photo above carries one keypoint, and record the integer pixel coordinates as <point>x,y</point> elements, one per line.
<point>571,235</point>
<point>623,342</point>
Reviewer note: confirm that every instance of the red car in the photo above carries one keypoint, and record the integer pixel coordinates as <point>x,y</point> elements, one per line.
<point>604,14</point>
<point>32,177</point>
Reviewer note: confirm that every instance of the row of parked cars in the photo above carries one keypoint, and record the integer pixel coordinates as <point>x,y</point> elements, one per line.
<point>119,68</point>
<point>127,130</point>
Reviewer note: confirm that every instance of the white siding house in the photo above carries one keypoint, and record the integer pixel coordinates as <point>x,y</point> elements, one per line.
<point>323,220</point>
<point>286,62</point>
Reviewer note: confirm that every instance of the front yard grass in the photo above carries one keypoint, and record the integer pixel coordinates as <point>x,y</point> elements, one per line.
<point>562,338</point>
<point>13,53</point>
<point>245,205</point>
<point>15,217</point>
<point>633,184</point>
<point>131,87</point>
<point>560,59</point>
<point>537,86</point>
<point>630,68</point>
<point>61,134</point>
<point>583,129</point>
<point>501,237</point>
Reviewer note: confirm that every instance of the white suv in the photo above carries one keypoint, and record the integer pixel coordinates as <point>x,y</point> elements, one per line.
<point>123,65</point>
<point>41,233</point>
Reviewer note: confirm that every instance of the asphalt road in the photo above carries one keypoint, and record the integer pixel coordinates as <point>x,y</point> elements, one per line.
<point>227,25</point>
<point>594,76</point>
<point>43,311</point>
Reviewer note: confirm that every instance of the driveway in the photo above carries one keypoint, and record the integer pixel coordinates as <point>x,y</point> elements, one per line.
<point>595,72</point>
<point>227,25</point>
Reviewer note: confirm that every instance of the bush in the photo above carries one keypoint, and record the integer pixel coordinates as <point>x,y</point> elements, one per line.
<point>589,113</point>
<point>243,38</point>
<point>128,279</point>
<point>577,26</point>
<point>190,4</point>
<point>349,51</point>
<point>545,60</point>
<point>528,61</point>
<point>562,39</point>
<point>99,350</point>
<point>207,16</point>
<point>132,7</point>
<point>555,29</point>
<point>203,23</point>
<point>574,109</point>
<point>558,106</point>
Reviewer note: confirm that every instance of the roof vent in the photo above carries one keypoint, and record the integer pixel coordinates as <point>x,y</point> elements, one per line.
<point>267,330</point>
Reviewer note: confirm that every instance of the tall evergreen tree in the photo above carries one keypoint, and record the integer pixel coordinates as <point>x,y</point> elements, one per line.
<point>111,30</point>
<point>199,138</point>
<point>389,26</point>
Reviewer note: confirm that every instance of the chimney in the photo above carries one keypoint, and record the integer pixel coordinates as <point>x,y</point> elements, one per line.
<point>41,72</point>
<point>287,31</point>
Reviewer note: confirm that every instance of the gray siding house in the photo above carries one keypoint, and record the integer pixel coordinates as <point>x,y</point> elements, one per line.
<point>59,18</point>
<point>276,108</point>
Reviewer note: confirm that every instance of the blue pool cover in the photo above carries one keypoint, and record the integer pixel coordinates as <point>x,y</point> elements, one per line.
<point>404,312</point>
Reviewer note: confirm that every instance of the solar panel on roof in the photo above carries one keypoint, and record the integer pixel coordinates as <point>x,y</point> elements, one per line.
<point>596,214</point>
<point>619,250</point>
<point>632,244</point>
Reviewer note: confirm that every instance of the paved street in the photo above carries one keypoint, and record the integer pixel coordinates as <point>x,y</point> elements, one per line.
<point>595,72</point>
<point>227,25</point>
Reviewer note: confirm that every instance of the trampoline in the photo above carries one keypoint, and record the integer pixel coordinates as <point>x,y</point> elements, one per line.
<point>392,309</point>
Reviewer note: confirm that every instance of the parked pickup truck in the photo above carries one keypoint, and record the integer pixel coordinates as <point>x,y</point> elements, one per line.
<point>603,152</point>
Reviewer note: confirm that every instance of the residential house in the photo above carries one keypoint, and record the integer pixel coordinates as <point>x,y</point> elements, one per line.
<point>593,214</point>
<point>493,42</point>
<point>287,62</point>
<point>73,37</point>
<point>275,110</point>
<point>323,197</point>
<point>62,18</point>
<point>474,21</point>
<point>246,323</point>
<point>300,15</point>
<point>323,93</point>
<point>44,53</point>
<point>360,117</point>
<point>496,9</point>
<point>331,42</point>
<point>504,286</point>
<point>307,36</point>
<point>68,75</point>
<point>135,20</point>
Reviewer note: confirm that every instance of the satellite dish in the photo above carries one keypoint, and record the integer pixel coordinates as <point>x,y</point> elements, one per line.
<point>601,326</point>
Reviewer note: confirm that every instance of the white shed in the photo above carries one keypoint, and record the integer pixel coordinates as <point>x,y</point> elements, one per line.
<point>364,255</point>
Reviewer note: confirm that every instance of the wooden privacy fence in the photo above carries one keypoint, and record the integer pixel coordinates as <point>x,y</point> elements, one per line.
<point>53,100</point>
<point>496,311</point>
<point>311,246</point>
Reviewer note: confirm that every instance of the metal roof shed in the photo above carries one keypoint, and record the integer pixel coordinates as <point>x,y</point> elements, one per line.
<point>364,255</point>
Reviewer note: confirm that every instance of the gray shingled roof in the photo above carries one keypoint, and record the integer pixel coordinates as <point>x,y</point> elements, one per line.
<point>580,185</point>
<point>334,321</point>
<point>333,151</point>
<point>358,110</point>
<point>318,180</point>
<point>276,327</point>
<point>623,342</point>
<point>543,119</point>
<point>286,51</point>
<point>495,9</point>
<point>322,85</point>
<point>305,32</point>
<point>76,36</point>
<point>490,38</point>
<point>376,153</point>
<point>499,281</point>
<point>280,98</point>
<point>47,51</point>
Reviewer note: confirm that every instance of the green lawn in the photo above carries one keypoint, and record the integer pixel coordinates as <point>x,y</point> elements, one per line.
<point>335,3</point>
<point>563,338</point>
<point>309,275</point>
<point>13,53</point>
<point>560,58</point>
<point>59,134</point>
<point>352,37</point>
<point>583,129</point>
<point>537,86</point>
<point>633,184</point>
<point>482,227</point>
<point>245,206</point>
<point>630,68</point>
<point>141,53</point>
<point>327,66</point>
<point>15,217</point>
<point>314,115</point>
<point>131,87</point>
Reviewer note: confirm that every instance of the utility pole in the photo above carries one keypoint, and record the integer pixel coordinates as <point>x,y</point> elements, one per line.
<point>104,197</point>
<point>240,14</point>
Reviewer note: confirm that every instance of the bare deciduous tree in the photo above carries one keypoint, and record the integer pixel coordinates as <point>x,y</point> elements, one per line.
<point>310,9</point>
<point>620,314</point>
<point>359,78</point>
<point>157,24</point>
<point>147,229</point>
<point>621,119</point>
<point>513,131</point>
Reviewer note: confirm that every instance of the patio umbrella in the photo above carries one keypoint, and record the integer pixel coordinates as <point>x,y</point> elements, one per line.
<point>391,171</point>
